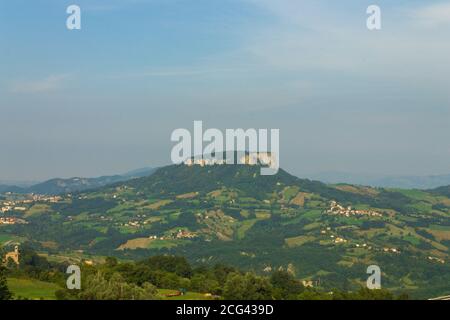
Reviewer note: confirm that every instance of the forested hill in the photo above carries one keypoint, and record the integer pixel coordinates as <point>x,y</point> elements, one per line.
<point>443,191</point>
<point>179,179</point>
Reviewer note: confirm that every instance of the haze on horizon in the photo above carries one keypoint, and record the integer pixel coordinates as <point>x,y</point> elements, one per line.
<point>105,99</point>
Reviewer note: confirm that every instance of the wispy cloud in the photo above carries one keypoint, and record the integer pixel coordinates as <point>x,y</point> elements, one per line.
<point>110,5</point>
<point>433,15</point>
<point>47,84</point>
<point>337,43</point>
<point>176,72</point>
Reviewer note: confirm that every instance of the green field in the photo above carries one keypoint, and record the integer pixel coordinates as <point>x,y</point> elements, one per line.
<point>187,296</point>
<point>4,238</point>
<point>298,241</point>
<point>32,289</point>
<point>312,214</point>
<point>161,244</point>
<point>244,227</point>
<point>38,290</point>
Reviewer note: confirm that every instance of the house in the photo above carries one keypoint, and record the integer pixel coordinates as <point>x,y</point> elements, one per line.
<point>311,283</point>
<point>14,256</point>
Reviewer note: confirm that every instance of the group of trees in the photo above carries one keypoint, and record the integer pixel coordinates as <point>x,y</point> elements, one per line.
<point>5,294</point>
<point>35,266</point>
<point>140,280</point>
<point>115,280</point>
<point>99,287</point>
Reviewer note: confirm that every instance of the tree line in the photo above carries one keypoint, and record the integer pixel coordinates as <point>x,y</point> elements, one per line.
<point>122,280</point>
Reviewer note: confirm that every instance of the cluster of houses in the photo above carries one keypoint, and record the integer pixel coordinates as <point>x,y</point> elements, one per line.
<point>337,209</point>
<point>339,240</point>
<point>204,162</point>
<point>335,239</point>
<point>328,229</point>
<point>7,208</point>
<point>436,259</point>
<point>252,159</point>
<point>11,221</point>
<point>11,205</point>
<point>184,234</point>
<point>364,246</point>
<point>179,234</point>
<point>44,198</point>
<point>20,205</point>
<point>392,250</point>
<point>308,283</point>
<point>136,224</point>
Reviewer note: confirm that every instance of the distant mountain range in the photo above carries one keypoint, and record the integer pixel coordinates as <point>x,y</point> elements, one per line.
<point>60,185</point>
<point>76,184</point>
<point>404,182</point>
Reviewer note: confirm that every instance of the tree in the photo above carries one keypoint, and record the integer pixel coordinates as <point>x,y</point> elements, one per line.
<point>203,283</point>
<point>178,265</point>
<point>97,287</point>
<point>286,287</point>
<point>247,287</point>
<point>311,294</point>
<point>235,288</point>
<point>5,294</point>
<point>11,265</point>
<point>111,262</point>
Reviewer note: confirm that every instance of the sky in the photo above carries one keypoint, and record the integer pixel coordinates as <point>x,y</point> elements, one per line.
<point>105,99</point>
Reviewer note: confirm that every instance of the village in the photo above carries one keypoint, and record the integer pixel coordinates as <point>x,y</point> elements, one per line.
<point>252,159</point>
<point>178,234</point>
<point>436,259</point>
<point>11,221</point>
<point>340,240</point>
<point>337,209</point>
<point>21,202</point>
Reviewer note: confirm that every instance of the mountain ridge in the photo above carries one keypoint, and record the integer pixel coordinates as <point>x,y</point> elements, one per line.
<point>56,186</point>
<point>384,181</point>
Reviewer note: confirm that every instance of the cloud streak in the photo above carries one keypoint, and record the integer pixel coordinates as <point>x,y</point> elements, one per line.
<point>182,72</point>
<point>48,84</point>
<point>433,15</point>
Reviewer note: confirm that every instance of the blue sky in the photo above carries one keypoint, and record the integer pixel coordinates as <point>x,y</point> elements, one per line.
<point>106,98</point>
